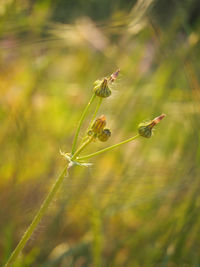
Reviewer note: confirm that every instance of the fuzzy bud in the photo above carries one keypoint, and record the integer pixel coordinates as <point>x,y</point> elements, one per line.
<point>101,88</point>
<point>104,135</point>
<point>99,125</point>
<point>145,128</point>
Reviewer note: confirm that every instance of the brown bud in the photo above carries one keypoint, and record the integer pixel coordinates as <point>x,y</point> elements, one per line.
<point>99,125</point>
<point>104,135</point>
<point>145,128</point>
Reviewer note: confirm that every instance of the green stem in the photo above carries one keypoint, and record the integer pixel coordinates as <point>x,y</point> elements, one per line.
<point>108,148</point>
<point>80,123</point>
<point>100,99</point>
<point>37,217</point>
<point>82,147</point>
<point>96,110</point>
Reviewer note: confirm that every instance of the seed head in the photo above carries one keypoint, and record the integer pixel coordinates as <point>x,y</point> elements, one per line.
<point>104,135</point>
<point>99,124</point>
<point>145,128</point>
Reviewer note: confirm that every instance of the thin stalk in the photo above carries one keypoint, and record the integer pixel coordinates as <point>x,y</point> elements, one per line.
<point>96,111</point>
<point>81,122</point>
<point>86,143</point>
<point>107,148</point>
<point>100,99</point>
<point>37,217</point>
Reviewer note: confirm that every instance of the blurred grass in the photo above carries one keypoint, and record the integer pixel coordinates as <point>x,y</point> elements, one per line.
<point>137,205</point>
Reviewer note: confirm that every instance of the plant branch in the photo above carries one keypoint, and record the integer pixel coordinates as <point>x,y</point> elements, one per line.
<point>107,148</point>
<point>81,122</point>
<point>82,147</point>
<point>100,99</point>
<point>96,110</point>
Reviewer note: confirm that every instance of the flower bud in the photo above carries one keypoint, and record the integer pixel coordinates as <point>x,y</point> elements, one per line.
<point>101,88</point>
<point>145,128</point>
<point>99,124</point>
<point>104,135</point>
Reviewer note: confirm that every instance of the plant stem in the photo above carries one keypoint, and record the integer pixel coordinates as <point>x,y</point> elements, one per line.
<point>82,147</point>
<point>107,148</point>
<point>80,123</point>
<point>96,110</point>
<point>37,217</point>
<point>100,99</point>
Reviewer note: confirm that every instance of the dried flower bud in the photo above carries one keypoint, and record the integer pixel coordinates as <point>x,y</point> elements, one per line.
<point>101,88</point>
<point>104,135</point>
<point>145,129</point>
<point>99,125</point>
<point>113,76</point>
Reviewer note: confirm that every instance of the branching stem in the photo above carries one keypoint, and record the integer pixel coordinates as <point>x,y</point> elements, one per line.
<point>107,148</point>
<point>100,99</point>
<point>86,143</point>
<point>96,111</point>
<point>81,122</point>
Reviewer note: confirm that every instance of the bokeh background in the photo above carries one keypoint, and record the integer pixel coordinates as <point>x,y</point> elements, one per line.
<point>138,205</point>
